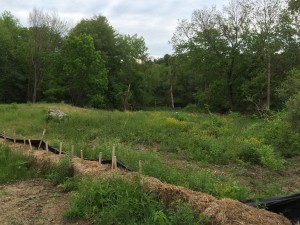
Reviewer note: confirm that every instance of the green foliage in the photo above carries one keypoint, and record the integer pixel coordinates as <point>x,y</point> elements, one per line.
<point>161,139</point>
<point>290,86</point>
<point>120,201</point>
<point>182,214</point>
<point>293,111</point>
<point>13,165</point>
<point>62,171</point>
<point>279,133</point>
<point>84,71</point>
<point>255,152</point>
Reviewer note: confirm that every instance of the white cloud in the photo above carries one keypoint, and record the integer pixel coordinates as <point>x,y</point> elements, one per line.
<point>155,20</point>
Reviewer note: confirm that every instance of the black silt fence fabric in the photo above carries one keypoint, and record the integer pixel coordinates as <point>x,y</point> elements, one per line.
<point>35,143</point>
<point>288,206</point>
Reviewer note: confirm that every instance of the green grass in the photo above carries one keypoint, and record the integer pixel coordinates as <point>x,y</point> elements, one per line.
<point>173,146</point>
<point>13,166</point>
<point>116,200</point>
<point>17,166</point>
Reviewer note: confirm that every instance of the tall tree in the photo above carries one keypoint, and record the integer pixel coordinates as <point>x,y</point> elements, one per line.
<point>46,36</point>
<point>266,15</point>
<point>13,59</point>
<point>84,72</point>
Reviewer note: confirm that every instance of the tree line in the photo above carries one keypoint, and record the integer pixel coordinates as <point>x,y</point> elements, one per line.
<point>244,57</point>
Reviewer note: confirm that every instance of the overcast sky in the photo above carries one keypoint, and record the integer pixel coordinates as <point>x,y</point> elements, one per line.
<point>155,20</point>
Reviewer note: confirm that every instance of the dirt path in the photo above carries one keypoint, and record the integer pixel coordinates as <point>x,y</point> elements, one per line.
<point>34,201</point>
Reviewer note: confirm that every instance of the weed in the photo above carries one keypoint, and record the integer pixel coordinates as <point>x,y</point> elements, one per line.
<point>62,171</point>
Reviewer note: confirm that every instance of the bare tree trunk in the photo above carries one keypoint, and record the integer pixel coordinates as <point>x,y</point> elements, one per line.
<point>35,83</point>
<point>126,98</point>
<point>171,96</point>
<point>269,83</point>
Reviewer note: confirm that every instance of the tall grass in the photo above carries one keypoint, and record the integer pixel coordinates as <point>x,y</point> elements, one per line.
<point>13,165</point>
<point>153,137</point>
<point>17,166</point>
<point>120,201</point>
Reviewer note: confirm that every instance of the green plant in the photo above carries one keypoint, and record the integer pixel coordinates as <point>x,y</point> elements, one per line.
<point>181,213</point>
<point>15,165</point>
<point>62,171</point>
<point>293,109</point>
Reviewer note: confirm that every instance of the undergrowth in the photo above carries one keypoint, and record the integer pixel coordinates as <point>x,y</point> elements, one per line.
<point>116,200</point>
<point>154,136</point>
<point>19,166</point>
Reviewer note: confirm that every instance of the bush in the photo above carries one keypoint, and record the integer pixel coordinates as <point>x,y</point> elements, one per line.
<point>293,109</point>
<point>279,133</point>
<point>255,152</point>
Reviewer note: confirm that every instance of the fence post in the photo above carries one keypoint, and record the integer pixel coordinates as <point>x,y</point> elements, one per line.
<point>47,148</point>
<point>44,131</point>
<point>81,154</point>
<point>30,146</point>
<point>114,162</point>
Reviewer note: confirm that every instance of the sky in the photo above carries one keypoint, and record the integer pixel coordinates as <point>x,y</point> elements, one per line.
<point>154,20</point>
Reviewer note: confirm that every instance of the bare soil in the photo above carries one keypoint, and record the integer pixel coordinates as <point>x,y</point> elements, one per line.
<point>35,201</point>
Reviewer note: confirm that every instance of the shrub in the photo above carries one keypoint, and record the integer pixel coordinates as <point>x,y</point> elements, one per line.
<point>255,152</point>
<point>293,109</point>
<point>278,133</point>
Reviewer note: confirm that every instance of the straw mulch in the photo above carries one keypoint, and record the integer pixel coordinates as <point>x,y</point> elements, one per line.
<point>221,212</point>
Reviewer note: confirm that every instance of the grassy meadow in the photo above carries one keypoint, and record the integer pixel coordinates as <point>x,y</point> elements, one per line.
<point>232,155</point>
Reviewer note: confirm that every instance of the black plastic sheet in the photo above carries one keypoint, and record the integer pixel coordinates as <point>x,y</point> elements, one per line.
<point>36,143</point>
<point>288,206</point>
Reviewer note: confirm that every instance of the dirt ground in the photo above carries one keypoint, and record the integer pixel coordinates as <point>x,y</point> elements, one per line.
<point>34,201</point>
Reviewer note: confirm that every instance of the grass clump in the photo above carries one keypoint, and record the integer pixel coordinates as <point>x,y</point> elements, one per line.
<point>116,200</point>
<point>62,171</point>
<point>13,165</point>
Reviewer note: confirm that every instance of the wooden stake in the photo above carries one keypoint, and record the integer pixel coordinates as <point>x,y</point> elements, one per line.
<point>113,150</point>
<point>81,154</point>
<point>30,146</point>
<point>47,149</point>
<point>24,141</point>
<point>100,158</point>
<point>140,167</point>
<point>44,132</point>
<point>15,137</point>
<point>114,163</point>
<point>60,148</point>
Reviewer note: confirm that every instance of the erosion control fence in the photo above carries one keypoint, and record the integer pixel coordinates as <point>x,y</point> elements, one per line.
<point>288,206</point>
<point>42,145</point>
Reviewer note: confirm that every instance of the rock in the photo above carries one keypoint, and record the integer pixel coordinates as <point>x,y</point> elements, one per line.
<point>56,113</point>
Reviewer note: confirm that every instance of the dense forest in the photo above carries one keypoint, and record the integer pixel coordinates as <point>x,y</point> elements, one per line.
<point>244,57</point>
